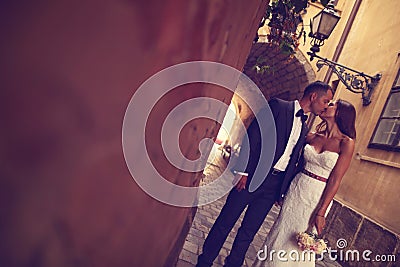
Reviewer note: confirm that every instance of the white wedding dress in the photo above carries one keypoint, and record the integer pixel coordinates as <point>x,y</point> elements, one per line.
<point>299,205</point>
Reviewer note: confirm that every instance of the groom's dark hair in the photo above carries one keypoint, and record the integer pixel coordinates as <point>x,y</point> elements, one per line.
<point>317,87</point>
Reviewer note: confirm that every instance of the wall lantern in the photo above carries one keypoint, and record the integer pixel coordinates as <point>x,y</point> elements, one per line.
<point>322,26</point>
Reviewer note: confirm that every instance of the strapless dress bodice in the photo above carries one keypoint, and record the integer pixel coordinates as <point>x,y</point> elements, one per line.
<point>320,164</point>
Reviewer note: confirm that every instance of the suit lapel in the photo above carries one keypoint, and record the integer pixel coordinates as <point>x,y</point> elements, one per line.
<point>304,130</point>
<point>294,158</point>
<point>289,119</point>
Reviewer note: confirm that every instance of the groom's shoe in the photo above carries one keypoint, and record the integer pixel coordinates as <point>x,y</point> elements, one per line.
<point>230,264</point>
<point>201,263</point>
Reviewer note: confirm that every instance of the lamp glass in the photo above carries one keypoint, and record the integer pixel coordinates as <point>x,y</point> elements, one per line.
<point>315,23</point>
<point>324,23</point>
<point>328,23</point>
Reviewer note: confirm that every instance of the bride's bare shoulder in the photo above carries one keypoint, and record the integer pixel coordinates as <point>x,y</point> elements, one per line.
<point>347,144</point>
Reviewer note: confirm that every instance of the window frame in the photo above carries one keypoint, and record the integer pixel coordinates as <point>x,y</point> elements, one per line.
<point>393,146</point>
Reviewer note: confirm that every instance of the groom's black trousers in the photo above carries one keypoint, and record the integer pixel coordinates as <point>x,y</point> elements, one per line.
<point>258,205</point>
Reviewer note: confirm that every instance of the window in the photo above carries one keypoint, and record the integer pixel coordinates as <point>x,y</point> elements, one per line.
<point>387,131</point>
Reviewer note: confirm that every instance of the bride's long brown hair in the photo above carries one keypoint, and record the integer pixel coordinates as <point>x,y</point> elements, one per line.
<point>345,118</point>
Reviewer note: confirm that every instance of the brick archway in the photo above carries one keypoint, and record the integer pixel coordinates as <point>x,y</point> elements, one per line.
<point>285,77</point>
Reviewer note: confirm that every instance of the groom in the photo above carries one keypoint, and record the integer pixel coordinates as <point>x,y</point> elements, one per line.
<point>291,131</point>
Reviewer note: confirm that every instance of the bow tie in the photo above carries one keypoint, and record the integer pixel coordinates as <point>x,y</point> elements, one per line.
<point>301,114</point>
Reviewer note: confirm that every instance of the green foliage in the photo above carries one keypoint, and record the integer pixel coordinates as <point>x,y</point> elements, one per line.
<point>284,18</point>
<point>262,68</point>
<point>286,24</point>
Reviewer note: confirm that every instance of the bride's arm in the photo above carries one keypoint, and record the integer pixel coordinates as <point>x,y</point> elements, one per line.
<point>341,166</point>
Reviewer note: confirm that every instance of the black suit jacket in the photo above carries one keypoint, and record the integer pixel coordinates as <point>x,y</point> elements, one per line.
<point>283,112</point>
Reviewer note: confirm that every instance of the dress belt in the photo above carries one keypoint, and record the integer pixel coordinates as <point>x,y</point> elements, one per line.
<point>313,175</point>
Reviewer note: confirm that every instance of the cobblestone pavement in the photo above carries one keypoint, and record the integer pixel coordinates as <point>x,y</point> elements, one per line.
<point>205,218</point>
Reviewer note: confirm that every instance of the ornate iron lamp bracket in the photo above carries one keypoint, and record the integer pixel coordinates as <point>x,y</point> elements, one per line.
<point>355,81</point>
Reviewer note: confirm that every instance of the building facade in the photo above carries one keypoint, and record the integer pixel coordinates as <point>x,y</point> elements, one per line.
<point>366,212</point>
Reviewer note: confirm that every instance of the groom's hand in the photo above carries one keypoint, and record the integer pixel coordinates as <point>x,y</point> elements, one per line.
<point>279,202</point>
<point>242,182</point>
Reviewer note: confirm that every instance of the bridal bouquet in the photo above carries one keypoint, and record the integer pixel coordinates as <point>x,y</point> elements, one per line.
<point>308,241</point>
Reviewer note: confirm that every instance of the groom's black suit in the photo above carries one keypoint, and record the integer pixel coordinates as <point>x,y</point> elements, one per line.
<point>261,200</point>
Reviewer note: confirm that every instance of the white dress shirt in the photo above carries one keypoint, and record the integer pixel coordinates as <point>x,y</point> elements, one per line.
<point>283,161</point>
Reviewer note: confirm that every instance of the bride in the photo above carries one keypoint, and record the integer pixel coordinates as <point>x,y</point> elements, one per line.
<point>327,156</point>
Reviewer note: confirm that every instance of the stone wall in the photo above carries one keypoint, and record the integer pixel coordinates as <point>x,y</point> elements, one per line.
<point>361,234</point>
<point>285,76</point>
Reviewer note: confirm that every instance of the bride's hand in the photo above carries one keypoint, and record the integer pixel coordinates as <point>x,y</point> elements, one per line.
<point>319,223</point>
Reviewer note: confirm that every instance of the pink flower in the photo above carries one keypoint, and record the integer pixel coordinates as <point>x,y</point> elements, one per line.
<point>307,241</point>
